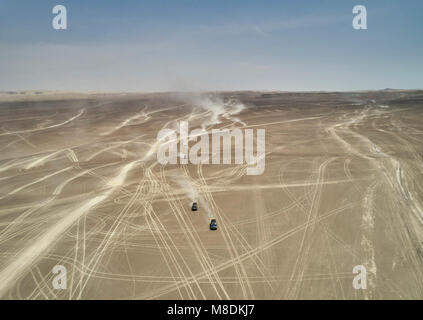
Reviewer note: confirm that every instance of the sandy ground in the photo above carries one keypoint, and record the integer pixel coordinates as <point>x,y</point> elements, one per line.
<point>80,187</point>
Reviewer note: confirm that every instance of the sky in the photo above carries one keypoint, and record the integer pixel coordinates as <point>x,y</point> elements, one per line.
<point>195,45</point>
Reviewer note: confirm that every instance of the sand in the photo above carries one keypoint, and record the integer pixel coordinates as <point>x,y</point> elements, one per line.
<point>80,186</point>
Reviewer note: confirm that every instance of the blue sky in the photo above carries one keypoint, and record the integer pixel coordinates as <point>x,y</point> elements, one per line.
<point>211,45</point>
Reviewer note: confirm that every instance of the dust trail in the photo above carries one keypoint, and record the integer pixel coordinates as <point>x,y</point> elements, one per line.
<point>190,190</point>
<point>217,109</point>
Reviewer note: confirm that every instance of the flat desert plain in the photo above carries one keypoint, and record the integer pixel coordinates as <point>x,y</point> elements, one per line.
<point>81,188</point>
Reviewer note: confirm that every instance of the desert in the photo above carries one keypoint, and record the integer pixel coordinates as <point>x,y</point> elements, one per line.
<point>81,187</point>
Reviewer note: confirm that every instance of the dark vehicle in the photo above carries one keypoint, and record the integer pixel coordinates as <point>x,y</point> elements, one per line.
<point>194,206</point>
<point>213,224</point>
